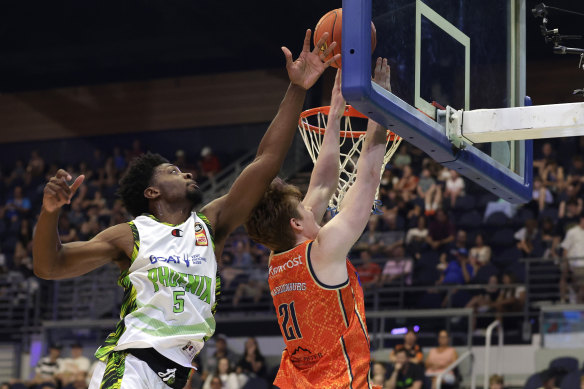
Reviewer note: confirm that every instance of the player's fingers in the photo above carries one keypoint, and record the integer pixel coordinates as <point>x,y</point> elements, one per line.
<point>60,184</point>
<point>288,55</point>
<point>62,173</point>
<point>76,184</point>
<point>336,57</point>
<point>321,43</point>
<point>378,65</point>
<point>56,191</point>
<point>329,50</point>
<point>306,45</point>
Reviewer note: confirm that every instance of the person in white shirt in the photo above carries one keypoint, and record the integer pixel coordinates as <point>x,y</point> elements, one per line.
<point>573,255</point>
<point>74,368</point>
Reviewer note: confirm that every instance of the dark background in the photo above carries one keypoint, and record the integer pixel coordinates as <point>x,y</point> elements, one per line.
<point>47,44</point>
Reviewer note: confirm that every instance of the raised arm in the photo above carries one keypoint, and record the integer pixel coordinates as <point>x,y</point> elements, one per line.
<point>336,238</point>
<point>232,210</point>
<point>325,175</point>
<point>53,260</point>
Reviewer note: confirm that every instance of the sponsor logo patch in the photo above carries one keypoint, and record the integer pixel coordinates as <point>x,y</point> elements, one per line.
<point>289,264</point>
<point>200,235</point>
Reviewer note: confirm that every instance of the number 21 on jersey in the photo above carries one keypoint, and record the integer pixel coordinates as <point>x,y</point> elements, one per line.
<point>287,313</point>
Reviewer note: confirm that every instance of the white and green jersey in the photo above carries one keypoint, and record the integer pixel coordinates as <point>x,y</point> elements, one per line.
<point>170,290</point>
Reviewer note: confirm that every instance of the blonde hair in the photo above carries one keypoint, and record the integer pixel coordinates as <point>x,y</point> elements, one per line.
<point>496,379</point>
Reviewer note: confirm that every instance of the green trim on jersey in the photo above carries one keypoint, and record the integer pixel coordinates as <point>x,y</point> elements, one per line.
<point>160,328</point>
<point>136,241</point>
<point>217,293</point>
<point>159,221</point>
<point>114,371</point>
<point>128,306</point>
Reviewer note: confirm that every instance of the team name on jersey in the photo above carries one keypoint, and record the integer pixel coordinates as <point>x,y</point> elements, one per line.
<point>187,259</point>
<point>289,264</point>
<point>288,288</point>
<point>200,286</point>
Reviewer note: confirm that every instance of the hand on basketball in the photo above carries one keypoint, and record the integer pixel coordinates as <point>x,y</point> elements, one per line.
<point>310,64</point>
<point>381,74</point>
<point>57,193</point>
<point>337,99</point>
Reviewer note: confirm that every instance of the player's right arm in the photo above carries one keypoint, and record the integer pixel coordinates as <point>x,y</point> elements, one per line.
<point>325,175</point>
<point>53,260</point>
<point>337,237</point>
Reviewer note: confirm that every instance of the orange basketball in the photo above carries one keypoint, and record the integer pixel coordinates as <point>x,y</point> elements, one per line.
<point>332,22</point>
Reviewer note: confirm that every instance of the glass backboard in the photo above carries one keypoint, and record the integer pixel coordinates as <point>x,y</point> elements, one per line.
<point>464,54</point>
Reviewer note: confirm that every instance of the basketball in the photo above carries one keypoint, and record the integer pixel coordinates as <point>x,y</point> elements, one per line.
<point>332,22</point>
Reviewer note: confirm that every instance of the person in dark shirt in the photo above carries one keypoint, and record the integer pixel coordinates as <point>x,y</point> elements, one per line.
<point>411,347</point>
<point>405,374</point>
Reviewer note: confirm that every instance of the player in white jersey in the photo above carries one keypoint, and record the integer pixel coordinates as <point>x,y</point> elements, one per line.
<point>168,254</point>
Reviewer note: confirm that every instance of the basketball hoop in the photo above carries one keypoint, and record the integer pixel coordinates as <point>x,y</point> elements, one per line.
<point>350,143</point>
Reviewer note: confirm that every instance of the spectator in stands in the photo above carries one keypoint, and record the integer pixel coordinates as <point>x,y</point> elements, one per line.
<point>209,163</point>
<point>548,378</point>
<point>496,382</point>
<point>256,284</point>
<point>527,237</point>
<point>397,268</point>
<point>18,204</point>
<point>369,271</point>
<point>75,368</point>
<point>252,362</point>
<point>458,271</point>
<point>36,164</point>
<point>241,255</point>
<point>573,255</point>
<point>440,232</point>
<point>569,214</point>
<point>183,164</point>
<point>439,358</point>
<point>510,299</point>
<point>405,373</point>
<point>225,373</point>
<point>416,238</point>
<point>407,184</point>
<point>451,253</point>
<point>553,176</point>
<point>402,158</point>
<point>547,154</point>
<point>542,196</point>
<point>410,345</point>
<point>576,171</point>
<point>454,187</point>
<point>429,192</point>
<point>222,350</point>
<point>48,367</point>
<point>485,300</point>
<point>550,238</point>
<point>216,383</point>
<point>378,374</point>
<point>480,253</point>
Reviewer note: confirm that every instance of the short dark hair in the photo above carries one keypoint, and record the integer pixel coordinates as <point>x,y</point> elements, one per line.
<point>269,222</point>
<point>135,181</point>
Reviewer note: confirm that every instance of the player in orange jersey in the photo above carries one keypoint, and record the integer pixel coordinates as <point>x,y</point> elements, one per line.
<point>315,289</point>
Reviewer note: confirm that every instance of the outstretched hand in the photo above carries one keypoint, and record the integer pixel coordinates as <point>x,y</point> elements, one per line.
<point>337,100</point>
<point>309,65</point>
<point>381,73</point>
<point>57,193</point>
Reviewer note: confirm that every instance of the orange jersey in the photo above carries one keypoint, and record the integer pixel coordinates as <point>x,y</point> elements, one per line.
<point>327,344</point>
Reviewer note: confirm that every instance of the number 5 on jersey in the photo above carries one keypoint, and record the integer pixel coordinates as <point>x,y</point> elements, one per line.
<point>285,312</point>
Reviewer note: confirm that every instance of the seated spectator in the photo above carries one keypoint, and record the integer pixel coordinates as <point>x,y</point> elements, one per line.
<point>527,237</point>
<point>415,241</point>
<point>222,350</point>
<point>396,269</point>
<point>369,271</point>
<point>48,367</point>
<point>576,171</point>
<point>550,238</point>
<point>410,345</point>
<point>257,282</point>
<point>547,154</point>
<point>216,383</point>
<point>378,374</point>
<point>496,382</point>
<point>553,176</point>
<point>569,214</point>
<point>407,184</point>
<point>229,379</point>
<point>405,373</point>
<point>485,300</point>
<point>480,254</point>
<point>402,158</point>
<point>209,164</point>
<point>241,253</point>
<point>451,253</point>
<point>439,358</point>
<point>429,192</point>
<point>510,299</point>
<point>18,204</point>
<point>458,271</point>
<point>454,187</point>
<point>541,196</point>
<point>573,264</point>
<point>440,232</point>
<point>252,363</point>
<point>75,368</point>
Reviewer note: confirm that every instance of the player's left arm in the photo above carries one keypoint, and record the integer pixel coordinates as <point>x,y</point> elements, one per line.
<point>325,175</point>
<point>233,209</point>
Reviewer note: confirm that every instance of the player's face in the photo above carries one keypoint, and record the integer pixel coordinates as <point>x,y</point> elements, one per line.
<point>309,224</point>
<point>176,185</point>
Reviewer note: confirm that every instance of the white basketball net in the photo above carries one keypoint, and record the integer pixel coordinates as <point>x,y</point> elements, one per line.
<point>350,152</point>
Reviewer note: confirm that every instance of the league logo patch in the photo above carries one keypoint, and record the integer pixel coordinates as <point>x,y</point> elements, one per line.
<point>200,235</point>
